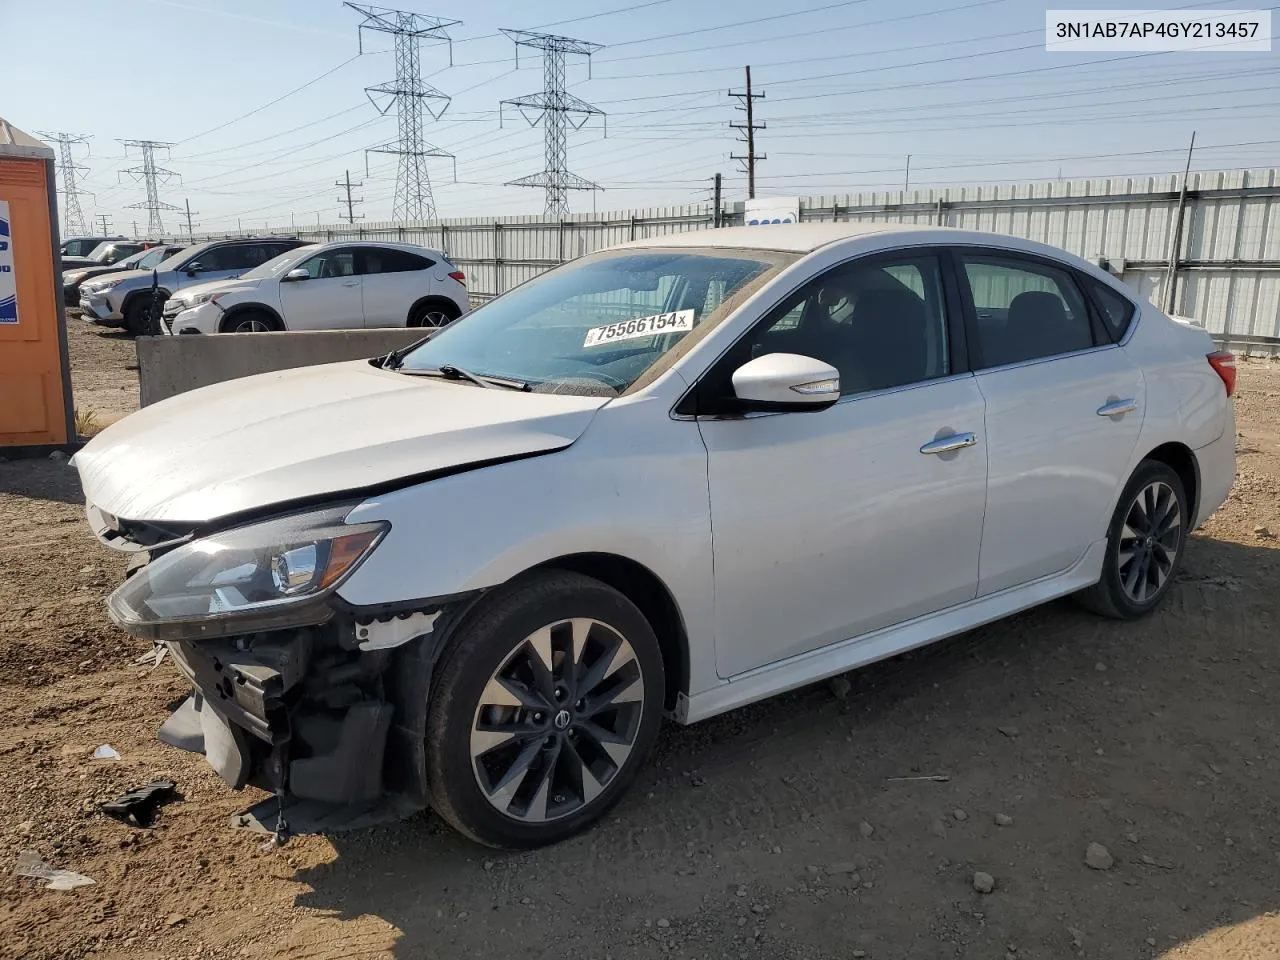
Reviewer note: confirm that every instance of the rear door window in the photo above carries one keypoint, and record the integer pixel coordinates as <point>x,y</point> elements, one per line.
<point>1025,310</point>
<point>384,260</point>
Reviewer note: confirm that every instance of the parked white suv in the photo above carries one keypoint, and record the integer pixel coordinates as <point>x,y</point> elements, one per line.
<point>125,299</point>
<point>669,478</point>
<point>327,286</point>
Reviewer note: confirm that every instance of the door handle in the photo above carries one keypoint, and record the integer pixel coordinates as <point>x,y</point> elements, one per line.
<point>957,441</point>
<point>350,283</point>
<point>1116,407</point>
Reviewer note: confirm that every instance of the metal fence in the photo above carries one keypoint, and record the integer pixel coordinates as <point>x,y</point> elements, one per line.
<point>1226,272</point>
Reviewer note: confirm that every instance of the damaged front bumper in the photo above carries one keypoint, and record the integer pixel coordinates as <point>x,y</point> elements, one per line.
<point>330,719</point>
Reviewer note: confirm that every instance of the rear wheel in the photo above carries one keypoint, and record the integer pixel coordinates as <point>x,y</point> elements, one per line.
<point>1144,544</point>
<point>250,321</point>
<point>548,700</point>
<point>433,313</point>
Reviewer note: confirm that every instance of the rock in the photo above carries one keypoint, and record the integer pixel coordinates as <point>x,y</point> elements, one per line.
<point>983,882</point>
<point>488,865</point>
<point>959,814</point>
<point>1262,533</point>
<point>1077,936</point>
<point>938,828</point>
<point>844,869</point>
<point>858,954</point>
<point>1151,941</point>
<point>741,891</point>
<point>866,830</point>
<point>1100,667</point>
<point>776,850</point>
<point>175,919</point>
<point>840,688</point>
<point>664,923</point>
<point>1008,731</point>
<point>1004,820</point>
<point>1131,837</point>
<point>58,456</point>
<point>757,909</point>
<point>1098,857</point>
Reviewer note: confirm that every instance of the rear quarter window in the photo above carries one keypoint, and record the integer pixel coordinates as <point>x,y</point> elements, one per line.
<point>1115,309</point>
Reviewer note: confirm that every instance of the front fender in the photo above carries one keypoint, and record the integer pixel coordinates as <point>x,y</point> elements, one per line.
<point>632,490</point>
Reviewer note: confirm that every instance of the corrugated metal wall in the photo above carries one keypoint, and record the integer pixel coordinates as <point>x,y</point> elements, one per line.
<point>1229,262</point>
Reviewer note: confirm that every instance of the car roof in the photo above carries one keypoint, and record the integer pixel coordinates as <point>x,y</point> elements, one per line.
<point>384,244</point>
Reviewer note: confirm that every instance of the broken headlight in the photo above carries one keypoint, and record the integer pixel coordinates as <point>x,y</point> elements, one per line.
<point>257,577</point>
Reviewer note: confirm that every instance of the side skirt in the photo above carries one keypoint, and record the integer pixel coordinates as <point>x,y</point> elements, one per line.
<point>838,658</point>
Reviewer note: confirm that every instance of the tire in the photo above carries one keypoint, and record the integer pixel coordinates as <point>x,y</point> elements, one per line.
<point>537,787</point>
<point>137,316</point>
<point>433,313</point>
<point>1126,590</point>
<point>249,321</point>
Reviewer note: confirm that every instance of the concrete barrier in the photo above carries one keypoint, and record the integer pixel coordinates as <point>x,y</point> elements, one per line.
<point>172,365</point>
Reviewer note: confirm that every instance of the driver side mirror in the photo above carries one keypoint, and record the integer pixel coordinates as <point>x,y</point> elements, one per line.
<point>786,381</point>
<point>299,273</point>
<point>194,267</point>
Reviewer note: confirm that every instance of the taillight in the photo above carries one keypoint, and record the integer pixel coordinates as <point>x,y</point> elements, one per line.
<point>1224,365</point>
<point>459,276</point>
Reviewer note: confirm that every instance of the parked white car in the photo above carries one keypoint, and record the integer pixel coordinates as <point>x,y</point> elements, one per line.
<point>673,477</point>
<point>327,286</point>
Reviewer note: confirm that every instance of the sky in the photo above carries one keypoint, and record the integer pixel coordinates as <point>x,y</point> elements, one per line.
<point>263,101</point>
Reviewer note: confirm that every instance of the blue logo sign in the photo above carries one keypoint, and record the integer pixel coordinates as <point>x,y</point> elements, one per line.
<point>8,283</point>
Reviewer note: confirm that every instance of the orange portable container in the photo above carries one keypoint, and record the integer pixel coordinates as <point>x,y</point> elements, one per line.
<point>35,381</point>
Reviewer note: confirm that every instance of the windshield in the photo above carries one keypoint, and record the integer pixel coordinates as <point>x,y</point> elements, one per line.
<point>148,258</point>
<point>177,259</point>
<point>101,250</point>
<point>277,266</point>
<point>596,325</point>
<point>138,260</point>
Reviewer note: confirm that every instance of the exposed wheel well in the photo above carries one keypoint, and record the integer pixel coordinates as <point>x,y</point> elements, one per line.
<point>443,303</point>
<point>642,587</point>
<point>250,308</point>
<point>1182,461</point>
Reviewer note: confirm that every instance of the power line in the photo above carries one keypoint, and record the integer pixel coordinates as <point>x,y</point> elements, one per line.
<point>151,175</point>
<point>411,98</point>
<point>557,109</point>
<point>748,133</point>
<point>73,217</point>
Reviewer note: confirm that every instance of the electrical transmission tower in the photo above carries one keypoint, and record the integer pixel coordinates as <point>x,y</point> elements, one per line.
<point>748,133</point>
<point>152,176</point>
<point>558,110</point>
<point>349,202</point>
<point>411,99</point>
<point>73,221</point>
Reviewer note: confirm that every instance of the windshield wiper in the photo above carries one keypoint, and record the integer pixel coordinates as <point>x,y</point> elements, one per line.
<point>453,372</point>
<point>395,358</point>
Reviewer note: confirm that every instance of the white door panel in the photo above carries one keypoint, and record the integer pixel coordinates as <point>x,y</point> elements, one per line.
<point>322,303</point>
<point>831,524</point>
<point>1055,465</point>
<point>388,296</point>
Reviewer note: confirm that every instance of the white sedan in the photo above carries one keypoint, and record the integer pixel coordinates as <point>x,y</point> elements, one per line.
<point>328,286</point>
<point>670,478</point>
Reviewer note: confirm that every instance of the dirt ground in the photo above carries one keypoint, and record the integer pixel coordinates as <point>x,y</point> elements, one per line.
<point>777,831</point>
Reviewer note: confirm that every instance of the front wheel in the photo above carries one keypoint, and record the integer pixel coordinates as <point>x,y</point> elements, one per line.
<point>433,313</point>
<point>138,318</point>
<point>1144,544</point>
<point>250,321</point>
<point>547,702</point>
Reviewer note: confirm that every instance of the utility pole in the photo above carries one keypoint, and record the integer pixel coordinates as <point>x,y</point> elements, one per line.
<point>349,201</point>
<point>73,222</point>
<point>557,110</point>
<point>135,229</point>
<point>105,220</point>
<point>1175,249</point>
<point>152,176</point>
<point>411,99</point>
<point>191,236</point>
<point>906,183</point>
<point>715,222</point>
<point>749,134</point>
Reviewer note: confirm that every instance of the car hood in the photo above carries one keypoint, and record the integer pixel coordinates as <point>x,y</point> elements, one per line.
<point>213,286</point>
<point>93,270</point>
<point>312,432</point>
<point>124,276</point>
